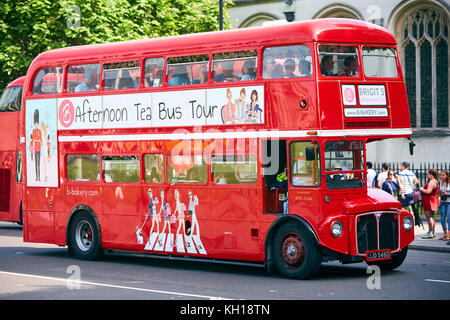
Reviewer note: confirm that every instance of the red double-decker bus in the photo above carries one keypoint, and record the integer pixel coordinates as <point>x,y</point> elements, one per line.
<point>244,145</point>
<point>10,153</point>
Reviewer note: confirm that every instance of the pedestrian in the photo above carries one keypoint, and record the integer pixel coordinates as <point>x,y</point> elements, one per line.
<point>382,176</point>
<point>390,185</point>
<point>407,181</point>
<point>430,201</point>
<point>370,174</point>
<point>444,207</point>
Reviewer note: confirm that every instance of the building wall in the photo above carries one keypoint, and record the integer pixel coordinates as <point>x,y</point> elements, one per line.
<point>424,58</point>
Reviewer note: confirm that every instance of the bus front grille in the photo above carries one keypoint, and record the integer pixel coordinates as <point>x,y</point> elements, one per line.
<point>377,231</point>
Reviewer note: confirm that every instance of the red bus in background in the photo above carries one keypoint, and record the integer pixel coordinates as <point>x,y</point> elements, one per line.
<point>244,145</point>
<point>10,153</point>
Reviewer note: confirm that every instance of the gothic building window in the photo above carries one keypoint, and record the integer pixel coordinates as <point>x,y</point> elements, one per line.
<point>425,62</point>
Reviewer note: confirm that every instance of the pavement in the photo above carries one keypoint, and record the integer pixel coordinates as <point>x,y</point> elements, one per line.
<point>429,244</point>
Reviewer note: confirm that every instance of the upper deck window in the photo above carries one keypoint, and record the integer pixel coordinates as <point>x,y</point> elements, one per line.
<point>121,75</point>
<point>48,80</point>
<point>287,62</point>
<point>154,72</point>
<point>338,61</point>
<point>83,78</point>
<point>379,62</point>
<point>11,99</point>
<point>187,70</point>
<point>235,66</point>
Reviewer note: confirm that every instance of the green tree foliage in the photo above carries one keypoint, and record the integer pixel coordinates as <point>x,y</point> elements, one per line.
<point>29,27</point>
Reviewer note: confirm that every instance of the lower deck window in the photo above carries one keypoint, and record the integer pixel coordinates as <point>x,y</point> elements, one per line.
<point>234,169</point>
<point>121,169</point>
<point>186,169</point>
<point>84,167</point>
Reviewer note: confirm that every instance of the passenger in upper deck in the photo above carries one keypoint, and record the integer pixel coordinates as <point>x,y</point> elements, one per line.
<point>87,84</point>
<point>179,76</point>
<point>326,66</point>
<point>227,74</point>
<point>349,69</point>
<point>305,68</point>
<point>289,68</point>
<point>202,75</point>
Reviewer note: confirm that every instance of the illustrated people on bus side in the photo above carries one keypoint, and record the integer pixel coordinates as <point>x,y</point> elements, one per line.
<point>45,151</point>
<point>87,84</point>
<point>305,68</point>
<point>390,185</point>
<point>407,181</point>
<point>349,68</point>
<point>152,211</point>
<point>255,111</point>
<point>193,202</point>
<point>444,206</point>
<point>202,75</point>
<point>430,201</point>
<point>248,70</point>
<point>180,208</point>
<point>326,65</point>
<point>180,76</point>
<point>383,175</point>
<point>240,106</point>
<point>165,207</point>
<point>36,140</point>
<point>289,68</point>
<point>228,110</point>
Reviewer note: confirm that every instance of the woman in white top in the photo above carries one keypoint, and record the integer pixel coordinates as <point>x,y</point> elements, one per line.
<point>444,206</point>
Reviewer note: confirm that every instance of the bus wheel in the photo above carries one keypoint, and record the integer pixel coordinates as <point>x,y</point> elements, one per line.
<point>395,262</point>
<point>85,237</point>
<point>295,253</point>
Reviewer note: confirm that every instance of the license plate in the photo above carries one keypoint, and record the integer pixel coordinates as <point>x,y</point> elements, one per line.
<point>378,255</point>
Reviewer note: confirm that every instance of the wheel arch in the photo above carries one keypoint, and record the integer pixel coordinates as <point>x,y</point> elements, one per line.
<point>273,229</point>
<point>73,213</point>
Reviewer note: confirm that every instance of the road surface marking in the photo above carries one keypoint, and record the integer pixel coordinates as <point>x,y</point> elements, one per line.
<point>113,286</point>
<point>442,281</point>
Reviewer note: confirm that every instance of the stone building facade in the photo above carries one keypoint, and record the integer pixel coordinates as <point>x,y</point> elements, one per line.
<point>421,28</point>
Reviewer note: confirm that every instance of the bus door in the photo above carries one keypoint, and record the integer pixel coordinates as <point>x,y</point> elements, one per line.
<point>122,199</point>
<point>236,202</point>
<point>304,180</point>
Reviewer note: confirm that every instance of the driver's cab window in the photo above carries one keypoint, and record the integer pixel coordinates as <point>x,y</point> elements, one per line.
<point>344,163</point>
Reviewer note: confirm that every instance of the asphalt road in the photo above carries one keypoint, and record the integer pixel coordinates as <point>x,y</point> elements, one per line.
<point>46,272</point>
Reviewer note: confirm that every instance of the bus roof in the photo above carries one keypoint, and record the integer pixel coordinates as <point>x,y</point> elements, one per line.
<point>321,30</point>
<point>17,82</point>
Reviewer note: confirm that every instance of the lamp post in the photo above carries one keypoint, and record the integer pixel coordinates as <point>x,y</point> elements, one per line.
<point>220,14</point>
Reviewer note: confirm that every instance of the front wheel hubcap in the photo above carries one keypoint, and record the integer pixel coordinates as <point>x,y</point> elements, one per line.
<point>293,250</point>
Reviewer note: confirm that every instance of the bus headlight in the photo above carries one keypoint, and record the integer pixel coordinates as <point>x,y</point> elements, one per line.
<point>407,223</point>
<point>336,229</point>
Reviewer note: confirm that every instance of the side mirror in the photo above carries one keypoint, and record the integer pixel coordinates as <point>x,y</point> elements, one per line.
<point>310,153</point>
<point>411,147</point>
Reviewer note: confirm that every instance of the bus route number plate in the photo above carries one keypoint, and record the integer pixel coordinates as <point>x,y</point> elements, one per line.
<point>378,255</point>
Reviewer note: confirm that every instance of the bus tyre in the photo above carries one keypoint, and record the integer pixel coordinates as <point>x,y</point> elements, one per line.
<point>84,237</point>
<point>295,252</point>
<point>395,262</point>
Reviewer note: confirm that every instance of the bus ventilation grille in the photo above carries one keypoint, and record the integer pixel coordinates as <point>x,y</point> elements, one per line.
<point>377,234</point>
<point>367,124</point>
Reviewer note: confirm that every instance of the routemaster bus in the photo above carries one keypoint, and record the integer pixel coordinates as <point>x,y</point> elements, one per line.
<point>10,153</point>
<point>245,145</point>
